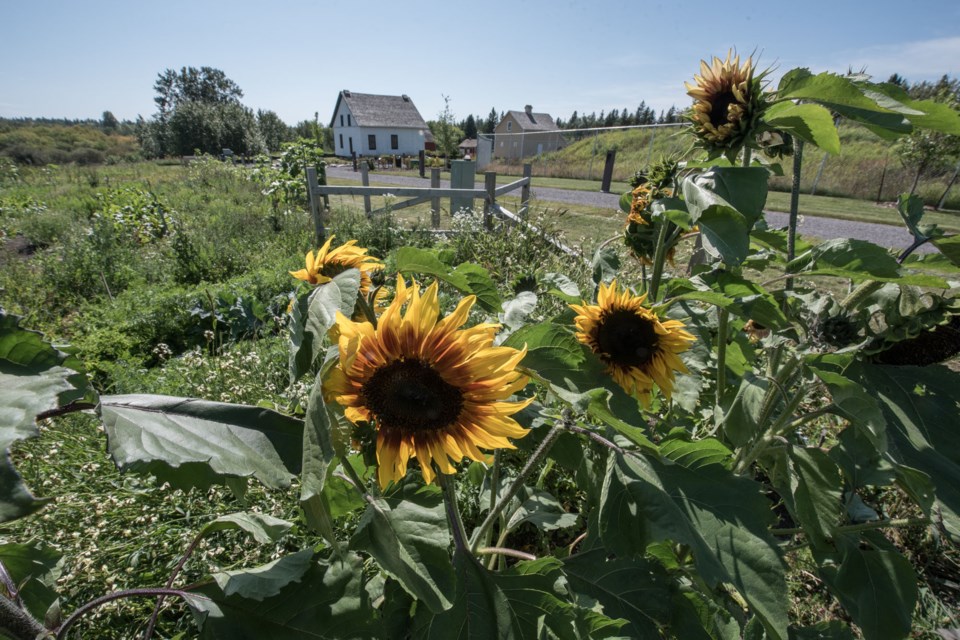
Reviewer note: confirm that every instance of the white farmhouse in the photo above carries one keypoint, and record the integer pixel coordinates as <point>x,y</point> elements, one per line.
<point>374,125</point>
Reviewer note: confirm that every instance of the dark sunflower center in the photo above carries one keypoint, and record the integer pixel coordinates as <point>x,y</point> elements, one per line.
<point>626,338</point>
<point>409,395</point>
<point>719,107</point>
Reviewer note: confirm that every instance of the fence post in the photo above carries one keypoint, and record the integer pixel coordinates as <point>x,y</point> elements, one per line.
<point>883,175</point>
<point>490,184</point>
<point>422,163</point>
<point>525,190</point>
<point>365,181</point>
<point>434,202</point>
<point>462,176</point>
<point>318,231</point>
<point>608,171</point>
<point>353,154</point>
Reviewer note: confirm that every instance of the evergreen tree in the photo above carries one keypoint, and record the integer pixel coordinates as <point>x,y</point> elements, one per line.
<point>470,127</point>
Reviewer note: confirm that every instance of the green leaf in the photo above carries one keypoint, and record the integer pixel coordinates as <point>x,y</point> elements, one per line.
<point>747,299</point>
<point>743,189</point>
<point>915,401</point>
<point>829,630</point>
<point>16,500</point>
<point>328,600</point>
<point>195,443</point>
<point>814,482</point>
<point>857,405</point>
<point>262,527</point>
<point>722,517</point>
<point>408,534</point>
<point>725,233</point>
<point>637,590</point>
<point>741,423</point>
<point>809,122</point>
<point>694,454</point>
<point>480,608</point>
<point>860,461</point>
<point>877,587</point>
<point>605,264</point>
<point>857,260</point>
<point>538,594</point>
<point>542,510</point>
<point>467,278</point>
<point>480,284</point>
<point>312,316</point>
<point>552,350</point>
<point>34,568</point>
<point>516,310</point>
<point>562,287</point>
<point>267,580</point>
<point>321,444</point>
<point>949,247</point>
<point>926,114</point>
<point>843,96</point>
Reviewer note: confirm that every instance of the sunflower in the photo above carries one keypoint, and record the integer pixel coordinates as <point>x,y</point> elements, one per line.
<point>729,101</point>
<point>637,347</point>
<point>327,264</point>
<point>432,390</point>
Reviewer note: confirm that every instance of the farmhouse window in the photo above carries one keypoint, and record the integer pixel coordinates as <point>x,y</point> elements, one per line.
<point>349,124</point>
<point>341,139</point>
<point>394,141</point>
<point>341,123</point>
<point>509,126</point>
<point>372,142</point>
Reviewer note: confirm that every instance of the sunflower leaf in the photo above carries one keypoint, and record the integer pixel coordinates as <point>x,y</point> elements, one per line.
<point>725,233</point>
<point>467,278</point>
<point>408,534</point>
<point>809,122</point>
<point>723,518</point>
<point>262,527</point>
<point>312,316</point>
<point>35,568</point>
<point>317,599</point>
<point>195,443</point>
<point>743,189</point>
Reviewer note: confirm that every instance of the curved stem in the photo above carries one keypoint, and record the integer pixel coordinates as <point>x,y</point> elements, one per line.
<point>117,595</point>
<point>858,295</point>
<point>65,409</point>
<point>17,623</point>
<point>503,551</point>
<point>151,625</point>
<point>893,523</point>
<point>449,487</point>
<point>517,484</point>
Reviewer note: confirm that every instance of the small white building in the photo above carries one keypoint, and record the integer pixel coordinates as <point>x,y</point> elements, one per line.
<point>375,125</point>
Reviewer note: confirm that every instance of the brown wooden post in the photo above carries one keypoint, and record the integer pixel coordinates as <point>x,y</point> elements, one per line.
<point>490,184</point>
<point>525,190</point>
<point>423,164</point>
<point>883,174</point>
<point>608,171</point>
<point>318,231</point>
<point>365,181</point>
<point>434,202</point>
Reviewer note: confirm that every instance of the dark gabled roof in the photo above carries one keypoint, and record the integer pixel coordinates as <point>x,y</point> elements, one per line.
<point>469,143</point>
<point>534,121</point>
<point>370,110</point>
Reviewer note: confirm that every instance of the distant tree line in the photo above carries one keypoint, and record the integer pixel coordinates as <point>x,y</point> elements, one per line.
<point>643,114</point>
<point>200,110</point>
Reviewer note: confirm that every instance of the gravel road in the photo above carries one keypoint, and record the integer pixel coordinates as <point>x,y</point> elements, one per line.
<point>823,228</point>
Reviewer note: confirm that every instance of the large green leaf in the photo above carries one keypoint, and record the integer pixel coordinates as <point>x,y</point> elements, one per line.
<point>725,233</point>
<point>605,264</point>
<point>741,422</point>
<point>195,443</point>
<point>312,316</point>
<point>468,278</point>
<point>480,608</point>
<point>857,260</point>
<point>327,600</point>
<point>408,534</point>
<point>810,482</point>
<point>265,581</point>
<point>35,377</point>
<point>740,297</point>
<point>34,568</point>
<point>542,510</point>
<point>926,114</point>
<point>809,122</point>
<point>722,517</point>
<point>920,404</point>
<point>845,97</point>
<point>262,527</point>
<point>743,189</point>
<point>876,586</point>
<point>854,402</point>
<point>949,247</point>
<point>637,590</point>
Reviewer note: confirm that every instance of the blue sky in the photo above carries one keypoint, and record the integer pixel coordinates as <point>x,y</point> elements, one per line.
<point>76,59</point>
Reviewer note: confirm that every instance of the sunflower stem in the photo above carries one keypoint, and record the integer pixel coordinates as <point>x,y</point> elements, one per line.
<point>449,486</point>
<point>659,257</point>
<point>517,484</point>
<point>503,551</point>
<point>794,207</point>
<point>494,490</point>
<point>747,156</point>
<point>723,321</point>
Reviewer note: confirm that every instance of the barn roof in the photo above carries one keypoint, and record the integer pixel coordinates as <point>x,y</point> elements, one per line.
<point>371,110</point>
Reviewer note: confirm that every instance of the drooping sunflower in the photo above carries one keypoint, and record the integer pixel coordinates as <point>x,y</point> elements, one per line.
<point>432,390</point>
<point>327,263</point>
<point>637,347</point>
<point>729,101</point>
